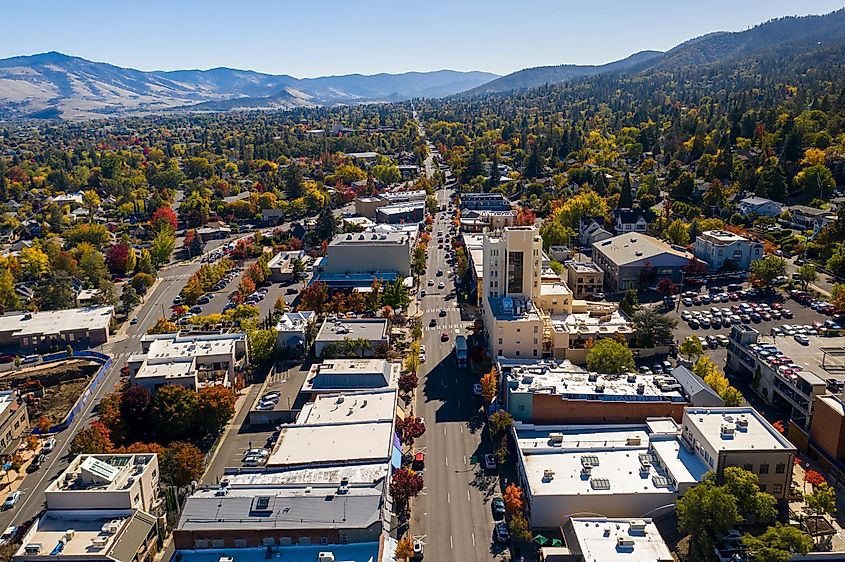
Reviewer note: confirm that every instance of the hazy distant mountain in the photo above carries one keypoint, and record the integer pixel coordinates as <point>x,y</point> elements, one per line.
<point>537,76</point>
<point>57,85</point>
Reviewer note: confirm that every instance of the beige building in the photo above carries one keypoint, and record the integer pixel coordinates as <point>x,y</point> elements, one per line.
<point>107,482</point>
<point>14,420</point>
<point>529,315</point>
<point>584,278</point>
<point>723,437</point>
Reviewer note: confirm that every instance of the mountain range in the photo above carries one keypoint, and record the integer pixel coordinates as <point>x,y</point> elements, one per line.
<point>55,85</point>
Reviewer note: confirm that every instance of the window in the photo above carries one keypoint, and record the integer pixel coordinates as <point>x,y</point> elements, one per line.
<point>780,468</point>
<point>778,488</point>
<point>764,468</point>
<point>536,329</point>
<point>535,353</point>
<point>500,341</point>
<point>324,540</point>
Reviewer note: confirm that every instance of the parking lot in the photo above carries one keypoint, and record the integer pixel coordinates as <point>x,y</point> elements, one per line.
<point>762,311</point>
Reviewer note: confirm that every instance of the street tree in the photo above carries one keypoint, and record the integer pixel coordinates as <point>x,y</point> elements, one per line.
<point>215,407</point>
<point>490,386</point>
<point>652,328</point>
<point>94,439</point>
<point>822,500</point>
<point>778,543</point>
<point>404,485</point>
<point>173,411</point>
<point>182,463</point>
<point>499,422</point>
<point>807,275</point>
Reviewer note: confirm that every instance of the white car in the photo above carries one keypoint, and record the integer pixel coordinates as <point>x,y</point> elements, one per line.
<point>49,445</point>
<point>8,535</point>
<point>12,499</point>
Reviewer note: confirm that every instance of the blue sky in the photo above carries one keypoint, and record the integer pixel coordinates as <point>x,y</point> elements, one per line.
<point>322,37</point>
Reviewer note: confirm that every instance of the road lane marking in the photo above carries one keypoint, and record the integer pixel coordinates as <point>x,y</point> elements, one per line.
<point>468,496</point>
<point>447,461</point>
<point>473,538</point>
<point>451,545</point>
<point>448,497</point>
<point>465,459</point>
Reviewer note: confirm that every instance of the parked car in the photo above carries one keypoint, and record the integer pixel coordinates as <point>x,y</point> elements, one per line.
<point>490,462</point>
<point>37,462</point>
<point>476,389</point>
<point>501,533</point>
<point>498,507</point>
<point>49,445</point>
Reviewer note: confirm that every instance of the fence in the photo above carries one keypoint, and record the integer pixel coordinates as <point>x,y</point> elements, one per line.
<point>105,362</point>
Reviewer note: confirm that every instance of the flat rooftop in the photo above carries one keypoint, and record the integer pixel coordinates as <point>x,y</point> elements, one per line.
<point>164,346</point>
<point>282,508</point>
<point>811,357</point>
<point>629,248</point>
<point>338,330</point>
<point>341,374</point>
<point>722,236</point>
<point>167,368</point>
<point>338,443</point>
<point>56,321</point>
<point>96,532</point>
<point>358,552</point>
<point>371,239</point>
<point>750,429</point>
<point>7,398</point>
<point>600,539</point>
<point>553,459</point>
<point>351,407</point>
<point>586,324</point>
<point>513,309</point>
<point>562,378</point>
<point>363,474</point>
<point>102,473</point>
<point>583,267</point>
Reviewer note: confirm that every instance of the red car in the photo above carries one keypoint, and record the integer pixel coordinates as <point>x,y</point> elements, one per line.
<point>7,358</point>
<point>444,336</point>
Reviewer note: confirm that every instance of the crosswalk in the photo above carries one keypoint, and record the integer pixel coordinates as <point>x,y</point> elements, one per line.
<point>437,310</point>
<point>440,328</point>
<point>176,277</point>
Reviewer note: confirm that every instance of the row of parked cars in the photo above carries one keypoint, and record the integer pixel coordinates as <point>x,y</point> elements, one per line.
<point>268,401</point>
<point>744,313</point>
<point>820,306</point>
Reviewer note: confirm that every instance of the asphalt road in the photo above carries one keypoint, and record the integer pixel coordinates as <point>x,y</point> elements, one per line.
<point>452,515</point>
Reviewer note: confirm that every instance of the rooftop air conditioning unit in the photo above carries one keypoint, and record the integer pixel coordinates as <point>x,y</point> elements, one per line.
<point>548,474</point>
<point>640,388</point>
<point>69,534</point>
<point>33,549</point>
<point>742,421</point>
<point>727,429</point>
<point>99,541</point>
<point>599,388</point>
<point>556,437</point>
<point>637,525</point>
<point>325,557</point>
<point>226,559</point>
<point>112,526</point>
<point>586,470</point>
<point>624,542</point>
<point>633,441</point>
<point>593,377</point>
<point>632,377</point>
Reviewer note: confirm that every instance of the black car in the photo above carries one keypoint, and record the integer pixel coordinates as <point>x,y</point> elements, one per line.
<point>37,462</point>
<point>501,533</point>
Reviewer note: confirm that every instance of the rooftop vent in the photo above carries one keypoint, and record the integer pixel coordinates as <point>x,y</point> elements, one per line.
<point>226,559</point>
<point>633,441</point>
<point>593,377</point>
<point>727,430</point>
<point>33,549</point>
<point>742,423</point>
<point>100,541</point>
<point>556,437</point>
<point>548,475</point>
<point>624,542</point>
<point>637,525</point>
<point>325,557</point>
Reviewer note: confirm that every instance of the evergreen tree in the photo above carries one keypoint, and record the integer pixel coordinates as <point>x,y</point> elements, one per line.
<point>626,198</point>
<point>533,165</point>
<point>474,167</point>
<point>493,180</point>
<point>294,185</point>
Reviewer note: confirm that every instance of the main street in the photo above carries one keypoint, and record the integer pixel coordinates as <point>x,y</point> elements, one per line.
<point>452,515</point>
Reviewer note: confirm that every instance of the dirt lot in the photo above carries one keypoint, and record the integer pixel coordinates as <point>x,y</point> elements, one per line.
<point>62,384</point>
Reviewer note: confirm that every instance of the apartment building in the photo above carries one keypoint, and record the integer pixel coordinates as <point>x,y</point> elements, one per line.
<point>584,278</point>
<point>530,315</point>
<point>14,421</point>
<point>107,482</point>
<point>721,249</point>
<point>190,360</point>
<point>723,437</point>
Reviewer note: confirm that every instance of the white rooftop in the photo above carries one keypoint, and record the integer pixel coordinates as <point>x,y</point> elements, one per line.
<point>750,429</point>
<point>722,236</point>
<point>173,345</point>
<point>553,459</point>
<point>357,552</point>
<point>586,324</point>
<point>7,398</point>
<point>352,442</point>
<point>167,368</point>
<point>350,408</point>
<point>602,540</point>
<point>295,321</point>
<point>56,321</point>
<point>561,377</point>
<point>366,473</point>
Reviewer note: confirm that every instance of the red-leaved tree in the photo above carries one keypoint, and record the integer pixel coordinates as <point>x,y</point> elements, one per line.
<point>116,258</point>
<point>164,217</point>
<point>404,485</point>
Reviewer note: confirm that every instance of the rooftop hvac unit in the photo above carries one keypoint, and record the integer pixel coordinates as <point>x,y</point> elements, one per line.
<point>587,470</point>
<point>632,377</point>
<point>637,525</point>
<point>548,474</point>
<point>640,388</point>
<point>226,559</point>
<point>325,557</point>
<point>727,429</point>
<point>111,527</point>
<point>100,541</point>
<point>33,549</point>
<point>742,422</point>
<point>556,437</point>
<point>69,534</point>
<point>633,441</point>
<point>599,387</point>
<point>593,377</point>
<point>624,542</point>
